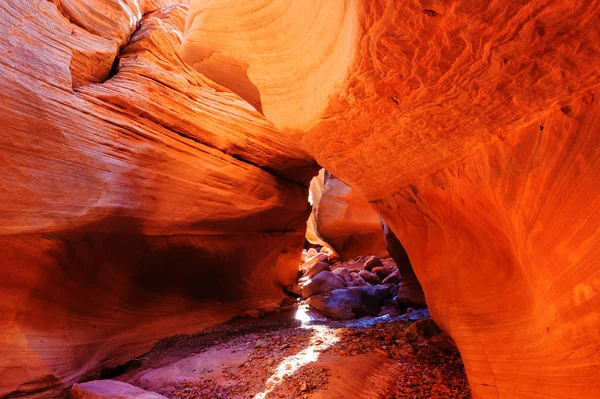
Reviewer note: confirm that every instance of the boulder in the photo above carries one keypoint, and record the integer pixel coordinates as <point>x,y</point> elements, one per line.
<point>352,302</point>
<point>369,277</point>
<point>371,262</point>
<point>311,253</point>
<point>321,283</point>
<point>316,269</point>
<point>312,261</point>
<point>344,273</point>
<point>394,278</point>
<point>333,257</point>
<point>303,256</point>
<point>381,271</point>
<point>410,295</point>
<point>110,389</point>
<point>391,308</point>
<point>359,281</point>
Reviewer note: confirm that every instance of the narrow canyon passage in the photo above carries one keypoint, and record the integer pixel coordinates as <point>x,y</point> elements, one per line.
<point>371,349</point>
<point>155,163</point>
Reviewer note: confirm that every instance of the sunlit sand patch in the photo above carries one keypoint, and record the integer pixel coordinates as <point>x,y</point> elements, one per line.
<point>322,338</point>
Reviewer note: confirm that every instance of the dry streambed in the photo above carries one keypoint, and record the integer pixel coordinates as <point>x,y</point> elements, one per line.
<point>280,357</point>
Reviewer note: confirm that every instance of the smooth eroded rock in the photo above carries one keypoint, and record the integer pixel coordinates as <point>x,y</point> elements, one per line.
<point>344,219</point>
<point>316,269</point>
<point>352,302</point>
<point>381,271</point>
<point>369,277</point>
<point>471,127</point>
<point>139,198</point>
<point>372,262</point>
<point>394,278</point>
<point>110,389</point>
<point>323,282</point>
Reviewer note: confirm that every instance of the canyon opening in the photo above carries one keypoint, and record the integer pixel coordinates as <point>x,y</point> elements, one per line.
<point>155,164</point>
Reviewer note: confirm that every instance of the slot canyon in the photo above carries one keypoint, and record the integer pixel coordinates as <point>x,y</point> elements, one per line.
<point>300,198</point>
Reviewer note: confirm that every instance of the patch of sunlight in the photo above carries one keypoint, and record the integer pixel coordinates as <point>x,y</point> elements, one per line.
<point>307,316</point>
<point>323,338</point>
<point>302,314</point>
<point>310,197</point>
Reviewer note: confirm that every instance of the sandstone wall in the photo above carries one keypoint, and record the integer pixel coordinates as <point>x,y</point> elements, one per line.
<point>505,246</point>
<point>345,220</point>
<point>139,199</point>
<point>472,127</point>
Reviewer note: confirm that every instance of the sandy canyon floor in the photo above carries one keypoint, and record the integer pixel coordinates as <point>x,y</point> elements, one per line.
<point>299,354</point>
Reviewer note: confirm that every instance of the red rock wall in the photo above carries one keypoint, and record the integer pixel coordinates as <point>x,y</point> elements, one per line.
<point>347,222</point>
<point>505,244</point>
<point>150,204</point>
<point>472,128</point>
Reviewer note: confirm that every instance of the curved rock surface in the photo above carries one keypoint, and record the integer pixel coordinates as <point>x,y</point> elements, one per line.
<point>472,129</point>
<point>109,389</point>
<point>410,292</point>
<point>315,190</point>
<point>232,42</point>
<point>151,181</point>
<point>139,199</point>
<point>344,219</point>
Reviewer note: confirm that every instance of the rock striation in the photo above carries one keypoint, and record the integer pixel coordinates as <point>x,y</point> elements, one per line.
<point>139,198</point>
<point>154,172</point>
<point>471,127</point>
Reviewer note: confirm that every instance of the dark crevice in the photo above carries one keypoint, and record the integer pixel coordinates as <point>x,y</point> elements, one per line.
<point>112,372</point>
<point>184,136</point>
<point>568,111</point>
<point>431,13</point>
<point>82,81</point>
<point>264,168</point>
<point>114,68</point>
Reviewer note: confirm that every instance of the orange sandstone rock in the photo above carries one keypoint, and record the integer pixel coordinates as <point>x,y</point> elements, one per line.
<point>472,129</point>
<point>138,198</point>
<point>346,221</point>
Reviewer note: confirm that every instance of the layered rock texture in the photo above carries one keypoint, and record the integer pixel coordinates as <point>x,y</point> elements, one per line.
<point>343,219</point>
<point>139,198</point>
<point>152,181</point>
<point>472,128</point>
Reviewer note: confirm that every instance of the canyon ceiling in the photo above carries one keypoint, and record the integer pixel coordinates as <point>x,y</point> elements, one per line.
<point>156,155</point>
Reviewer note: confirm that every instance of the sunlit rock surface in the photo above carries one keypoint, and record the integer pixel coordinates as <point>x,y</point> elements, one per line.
<point>232,42</point>
<point>472,127</point>
<point>139,199</point>
<point>343,219</point>
<point>314,196</point>
<point>109,389</point>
